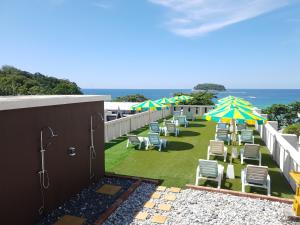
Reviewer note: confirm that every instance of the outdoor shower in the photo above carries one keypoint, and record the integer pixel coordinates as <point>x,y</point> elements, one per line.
<point>43,174</point>
<point>92,147</point>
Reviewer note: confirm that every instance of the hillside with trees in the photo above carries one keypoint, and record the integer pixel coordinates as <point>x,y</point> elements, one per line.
<point>209,87</point>
<point>17,82</point>
<point>131,98</point>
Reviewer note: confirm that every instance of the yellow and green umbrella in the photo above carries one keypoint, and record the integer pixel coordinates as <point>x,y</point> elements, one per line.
<point>234,100</point>
<point>147,105</point>
<point>234,113</point>
<point>165,101</point>
<point>230,97</point>
<point>177,99</point>
<point>237,103</point>
<point>226,106</point>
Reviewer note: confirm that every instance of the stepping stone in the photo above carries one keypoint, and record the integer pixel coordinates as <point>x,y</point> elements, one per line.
<point>158,219</point>
<point>70,220</point>
<point>161,188</point>
<point>170,197</point>
<point>164,207</point>
<point>141,216</point>
<point>175,190</point>
<point>109,189</point>
<point>155,195</point>
<point>149,205</point>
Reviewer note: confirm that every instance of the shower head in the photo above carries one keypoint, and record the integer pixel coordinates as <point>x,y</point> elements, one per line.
<point>52,132</point>
<point>52,135</point>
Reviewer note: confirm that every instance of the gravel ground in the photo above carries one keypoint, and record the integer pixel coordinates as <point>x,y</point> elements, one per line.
<point>200,207</point>
<point>88,203</point>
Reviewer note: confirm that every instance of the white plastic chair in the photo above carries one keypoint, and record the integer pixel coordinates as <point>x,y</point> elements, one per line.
<point>190,116</point>
<point>251,152</point>
<point>156,141</point>
<point>154,127</point>
<point>256,176</point>
<point>209,170</point>
<point>182,121</point>
<point>217,148</point>
<point>222,126</point>
<point>171,128</point>
<point>246,136</point>
<point>222,135</point>
<point>135,140</point>
<point>240,127</point>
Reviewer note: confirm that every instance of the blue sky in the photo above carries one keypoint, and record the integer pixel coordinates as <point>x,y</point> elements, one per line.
<point>155,43</point>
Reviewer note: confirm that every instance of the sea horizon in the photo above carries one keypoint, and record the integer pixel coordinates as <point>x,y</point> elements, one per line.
<point>261,98</point>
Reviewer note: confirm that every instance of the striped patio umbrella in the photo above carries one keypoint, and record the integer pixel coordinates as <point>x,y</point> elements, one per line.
<point>147,105</point>
<point>230,97</point>
<point>234,113</point>
<point>239,101</point>
<point>165,101</point>
<point>244,105</point>
<point>173,101</point>
<point>177,98</point>
<point>226,106</point>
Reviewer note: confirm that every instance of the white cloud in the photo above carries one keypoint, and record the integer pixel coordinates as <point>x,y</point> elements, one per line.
<point>197,17</point>
<point>102,4</point>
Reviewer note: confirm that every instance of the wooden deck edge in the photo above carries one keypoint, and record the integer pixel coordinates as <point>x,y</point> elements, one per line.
<point>117,203</point>
<point>142,179</point>
<point>240,194</point>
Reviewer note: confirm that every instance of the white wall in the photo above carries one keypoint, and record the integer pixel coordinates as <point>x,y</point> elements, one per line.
<point>119,127</point>
<point>283,152</point>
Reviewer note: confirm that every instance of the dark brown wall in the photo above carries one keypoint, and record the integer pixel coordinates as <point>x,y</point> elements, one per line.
<point>20,159</point>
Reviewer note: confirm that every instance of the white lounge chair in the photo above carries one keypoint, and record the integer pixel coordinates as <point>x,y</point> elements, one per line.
<point>256,176</point>
<point>170,128</point>
<point>156,141</point>
<point>136,141</point>
<point>240,127</point>
<point>246,136</point>
<point>251,152</point>
<point>217,148</point>
<point>222,135</point>
<point>182,121</point>
<point>190,116</point>
<point>209,170</point>
<point>176,113</point>
<point>154,127</point>
<point>222,126</point>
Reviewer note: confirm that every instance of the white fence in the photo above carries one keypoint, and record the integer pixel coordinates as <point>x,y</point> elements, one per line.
<point>117,128</point>
<point>281,148</point>
<point>197,110</point>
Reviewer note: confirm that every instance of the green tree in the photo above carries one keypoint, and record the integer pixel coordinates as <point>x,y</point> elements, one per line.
<point>284,114</point>
<point>17,82</point>
<point>199,98</point>
<point>131,98</point>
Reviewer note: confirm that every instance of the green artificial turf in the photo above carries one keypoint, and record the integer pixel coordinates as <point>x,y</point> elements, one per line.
<point>176,165</point>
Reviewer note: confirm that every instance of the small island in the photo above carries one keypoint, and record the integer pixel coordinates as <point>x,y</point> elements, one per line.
<point>209,87</point>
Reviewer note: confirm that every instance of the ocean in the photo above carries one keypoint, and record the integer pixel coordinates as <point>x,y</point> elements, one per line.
<point>259,97</point>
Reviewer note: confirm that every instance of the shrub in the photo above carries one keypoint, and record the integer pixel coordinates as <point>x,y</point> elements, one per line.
<point>293,129</point>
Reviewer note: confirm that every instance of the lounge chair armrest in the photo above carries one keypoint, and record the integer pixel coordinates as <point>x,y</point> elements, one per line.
<point>198,170</point>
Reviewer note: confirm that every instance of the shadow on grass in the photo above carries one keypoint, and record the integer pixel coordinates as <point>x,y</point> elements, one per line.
<point>118,140</point>
<point>188,133</point>
<point>178,146</point>
<point>196,125</point>
<point>259,141</point>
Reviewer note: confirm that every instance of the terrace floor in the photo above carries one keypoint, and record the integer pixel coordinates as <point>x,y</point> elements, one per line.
<point>176,165</point>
